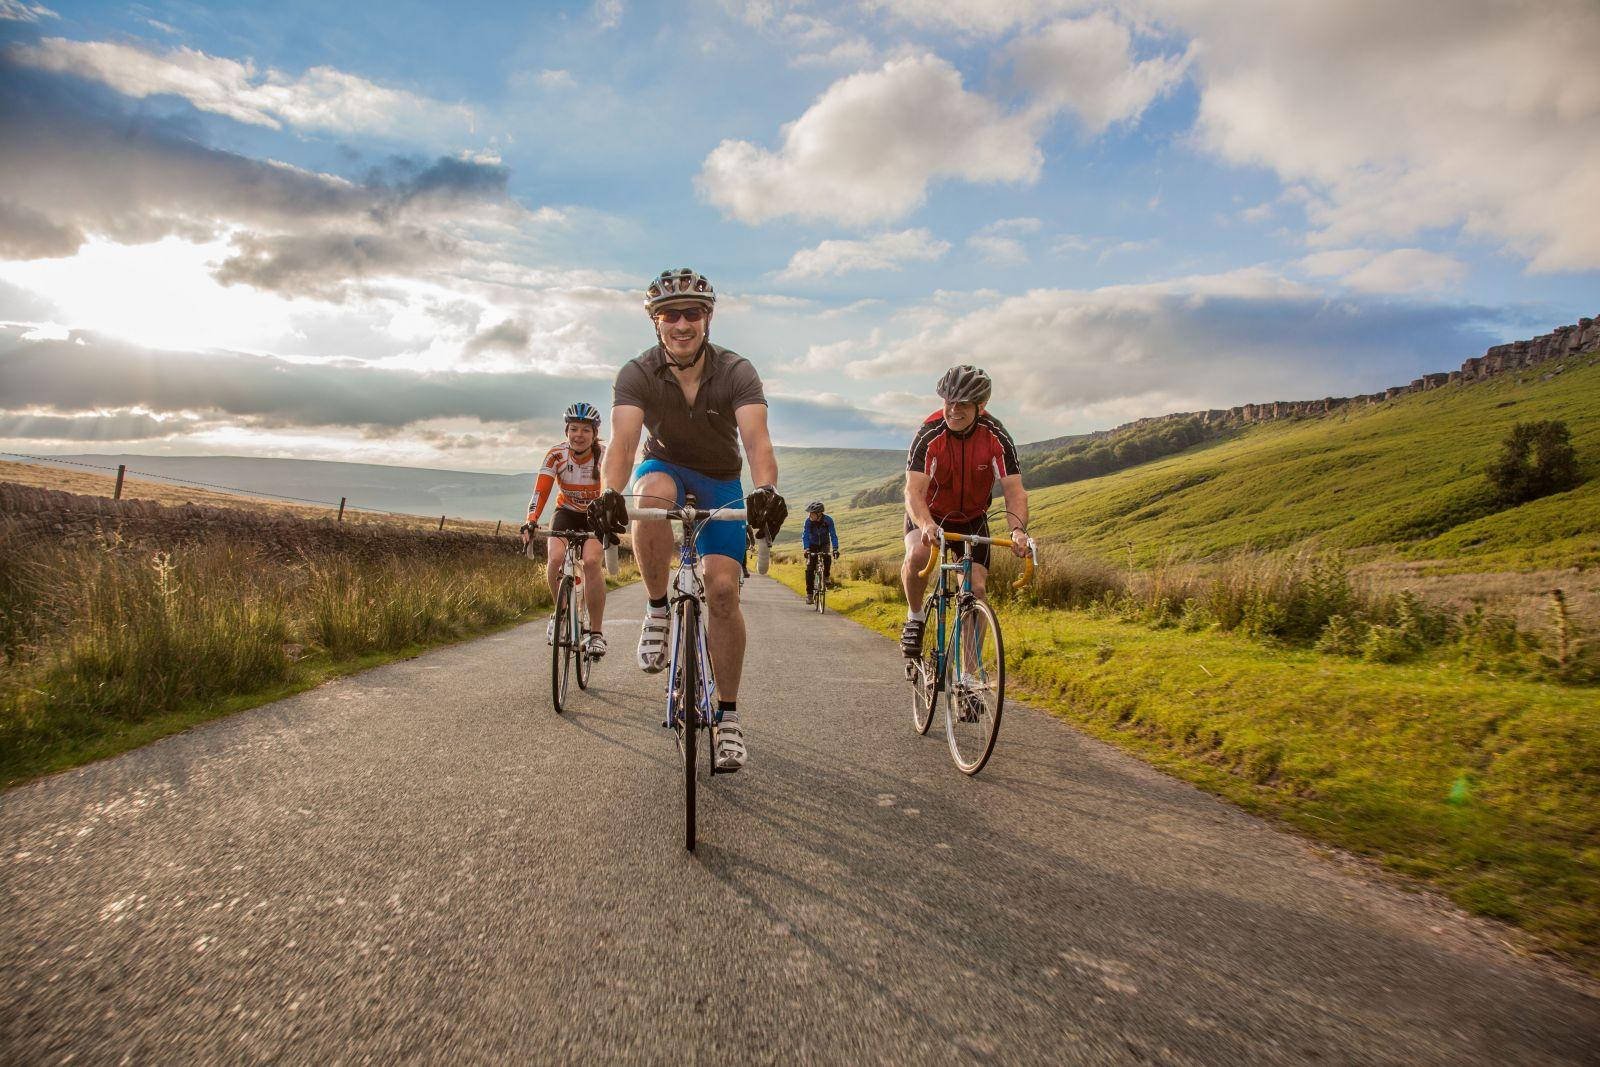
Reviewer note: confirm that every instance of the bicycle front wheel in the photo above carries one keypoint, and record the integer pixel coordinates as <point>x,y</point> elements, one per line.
<point>685,683</point>
<point>975,689</point>
<point>584,664</point>
<point>924,672</point>
<point>561,647</point>
<point>822,591</point>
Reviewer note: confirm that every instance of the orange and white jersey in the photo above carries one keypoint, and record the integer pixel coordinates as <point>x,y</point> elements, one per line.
<point>578,481</point>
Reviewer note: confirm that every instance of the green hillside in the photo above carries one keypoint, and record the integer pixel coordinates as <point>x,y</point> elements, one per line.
<point>1401,478</point>
<point>833,474</point>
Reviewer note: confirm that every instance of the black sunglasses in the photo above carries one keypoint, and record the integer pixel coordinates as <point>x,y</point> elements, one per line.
<point>686,314</point>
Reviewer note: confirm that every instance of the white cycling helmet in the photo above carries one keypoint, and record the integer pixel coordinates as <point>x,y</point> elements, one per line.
<point>675,288</point>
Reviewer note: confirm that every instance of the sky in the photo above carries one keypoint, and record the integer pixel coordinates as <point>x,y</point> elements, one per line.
<point>411,234</point>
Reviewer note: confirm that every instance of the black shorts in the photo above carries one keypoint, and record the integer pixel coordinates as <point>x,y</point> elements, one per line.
<point>566,521</point>
<point>978,526</point>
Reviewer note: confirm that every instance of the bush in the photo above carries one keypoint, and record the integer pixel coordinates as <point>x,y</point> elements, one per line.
<point>1536,459</point>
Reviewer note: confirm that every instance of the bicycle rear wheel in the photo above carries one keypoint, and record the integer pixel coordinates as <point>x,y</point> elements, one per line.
<point>975,688</point>
<point>561,647</point>
<point>686,685</point>
<point>925,672</point>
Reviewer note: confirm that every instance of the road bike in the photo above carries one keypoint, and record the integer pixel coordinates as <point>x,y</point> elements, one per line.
<point>819,583</point>
<point>691,681</point>
<point>968,668</point>
<point>569,655</point>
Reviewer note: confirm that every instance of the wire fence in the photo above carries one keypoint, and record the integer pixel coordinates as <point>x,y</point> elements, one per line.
<point>341,505</point>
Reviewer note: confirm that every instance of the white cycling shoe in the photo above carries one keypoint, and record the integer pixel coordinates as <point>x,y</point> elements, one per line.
<point>594,644</point>
<point>731,754</point>
<point>652,649</point>
<point>550,631</point>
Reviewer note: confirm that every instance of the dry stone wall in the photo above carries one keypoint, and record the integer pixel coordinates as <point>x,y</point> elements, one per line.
<point>29,514</point>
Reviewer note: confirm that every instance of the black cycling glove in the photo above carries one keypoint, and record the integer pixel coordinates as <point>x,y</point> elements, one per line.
<point>765,511</point>
<point>608,517</point>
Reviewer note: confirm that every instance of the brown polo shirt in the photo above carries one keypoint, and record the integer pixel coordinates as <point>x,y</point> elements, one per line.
<point>705,437</point>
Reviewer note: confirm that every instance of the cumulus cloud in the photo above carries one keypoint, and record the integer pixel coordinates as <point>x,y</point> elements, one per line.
<point>1098,356</point>
<point>1402,118</point>
<point>870,146</point>
<point>978,18</point>
<point>322,98</point>
<point>886,251</point>
<point>1402,270</point>
<point>512,335</point>
<point>1086,66</point>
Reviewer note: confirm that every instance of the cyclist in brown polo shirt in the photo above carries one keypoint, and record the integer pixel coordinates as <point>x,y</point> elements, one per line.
<point>699,401</point>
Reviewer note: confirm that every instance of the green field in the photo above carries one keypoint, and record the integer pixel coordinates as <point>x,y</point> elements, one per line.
<point>1403,479</point>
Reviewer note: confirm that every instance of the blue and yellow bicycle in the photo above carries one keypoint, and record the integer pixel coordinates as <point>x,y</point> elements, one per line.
<point>965,662</point>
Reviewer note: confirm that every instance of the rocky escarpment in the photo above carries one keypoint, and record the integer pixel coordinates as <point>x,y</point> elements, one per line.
<point>30,515</point>
<point>1548,352</point>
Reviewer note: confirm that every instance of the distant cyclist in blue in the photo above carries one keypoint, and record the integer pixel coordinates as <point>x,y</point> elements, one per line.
<point>814,538</point>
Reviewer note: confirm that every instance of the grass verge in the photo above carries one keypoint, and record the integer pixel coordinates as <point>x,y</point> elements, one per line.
<point>108,647</point>
<point>1487,788</point>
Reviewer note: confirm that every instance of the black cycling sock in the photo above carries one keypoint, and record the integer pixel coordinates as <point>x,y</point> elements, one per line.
<point>661,604</point>
<point>728,709</point>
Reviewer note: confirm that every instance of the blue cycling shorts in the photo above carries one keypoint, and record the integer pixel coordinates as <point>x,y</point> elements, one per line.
<point>716,538</point>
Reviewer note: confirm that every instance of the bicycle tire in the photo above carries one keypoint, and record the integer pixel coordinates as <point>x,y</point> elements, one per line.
<point>975,687</point>
<point>925,672</point>
<point>585,663</point>
<point>560,648</point>
<point>822,590</point>
<point>689,711</point>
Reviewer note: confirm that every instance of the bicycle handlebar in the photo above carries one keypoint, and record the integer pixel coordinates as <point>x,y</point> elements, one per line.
<point>763,546</point>
<point>1028,561</point>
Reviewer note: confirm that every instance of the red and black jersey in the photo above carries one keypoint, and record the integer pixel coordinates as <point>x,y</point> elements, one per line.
<point>963,468</point>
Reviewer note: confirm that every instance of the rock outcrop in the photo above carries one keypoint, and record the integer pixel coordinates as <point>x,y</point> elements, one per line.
<point>1550,351</point>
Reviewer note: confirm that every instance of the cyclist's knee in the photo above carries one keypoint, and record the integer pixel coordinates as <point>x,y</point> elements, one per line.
<point>656,490</point>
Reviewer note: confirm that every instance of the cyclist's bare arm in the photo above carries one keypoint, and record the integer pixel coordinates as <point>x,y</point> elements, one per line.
<point>1016,512</point>
<point>627,422</point>
<point>917,506</point>
<point>752,420</point>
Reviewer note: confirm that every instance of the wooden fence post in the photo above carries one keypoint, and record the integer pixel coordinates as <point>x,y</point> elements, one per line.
<point>341,509</point>
<point>441,522</point>
<point>497,527</point>
<point>122,468</point>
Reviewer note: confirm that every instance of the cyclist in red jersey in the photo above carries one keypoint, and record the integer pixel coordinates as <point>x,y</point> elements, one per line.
<point>958,454</point>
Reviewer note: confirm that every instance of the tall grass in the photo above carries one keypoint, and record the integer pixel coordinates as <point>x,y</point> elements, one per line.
<point>1304,599</point>
<point>99,637</point>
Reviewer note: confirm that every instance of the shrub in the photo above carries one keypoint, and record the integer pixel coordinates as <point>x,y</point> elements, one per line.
<point>1536,459</point>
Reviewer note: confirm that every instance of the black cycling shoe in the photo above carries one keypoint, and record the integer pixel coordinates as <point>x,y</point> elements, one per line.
<point>911,639</point>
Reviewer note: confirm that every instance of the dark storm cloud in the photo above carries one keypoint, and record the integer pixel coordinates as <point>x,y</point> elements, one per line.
<point>27,234</point>
<point>78,159</point>
<point>323,265</point>
<point>84,373</point>
<point>119,427</point>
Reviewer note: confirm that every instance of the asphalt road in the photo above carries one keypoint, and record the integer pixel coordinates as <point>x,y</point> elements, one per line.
<point>422,862</point>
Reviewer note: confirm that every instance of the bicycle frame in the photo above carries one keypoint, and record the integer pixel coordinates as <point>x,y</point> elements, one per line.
<point>572,567</point>
<point>689,584</point>
<point>943,594</point>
